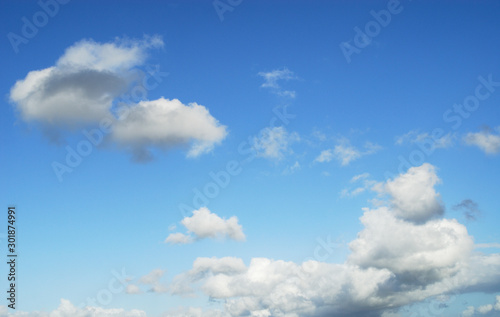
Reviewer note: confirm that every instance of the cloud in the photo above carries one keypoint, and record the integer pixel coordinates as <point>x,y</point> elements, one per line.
<point>291,169</point>
<point>205,224</point>
<point>133,289</point>
<point>355,188</point>
<point>152,277</point>
<point>179,238</point>
<point>345,153</point>
<point>81,87</point>
<point>430,141</point>
<point>394,262</point>
<point>412,194</point>
<point>272,78</point>
<point>67,309</point>
<point>164,123</point>
<point>469,208</point>
<point>274,143</point>
<point>486,140</point>
<point>488,309</point>
<point>85,86</point>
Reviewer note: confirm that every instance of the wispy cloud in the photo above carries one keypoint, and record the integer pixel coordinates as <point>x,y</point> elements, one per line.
<point>272,79</point>
<point>274,143</point>
<point>345,153</point>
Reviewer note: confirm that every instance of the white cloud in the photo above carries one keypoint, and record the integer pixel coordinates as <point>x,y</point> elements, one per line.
<point>205,224</point>
<point>485,140</point>
<point>272,78</point>
<point>132,289</point>
<point>179,238</point>
<point>67,309</point>
<point>292,168</point>
<point>274,142</point>
<point>430,141</point>
<point>355,178</point>
<point>324,156</point>
<point>394,262</point>
<point>152,277</point>
<point>81,87</point>
<point>164,123</point>
<point>345,153</point>
<point>469,312</point>
<point>412,194</point>
<point>484,309</point>
<point>84,86</point>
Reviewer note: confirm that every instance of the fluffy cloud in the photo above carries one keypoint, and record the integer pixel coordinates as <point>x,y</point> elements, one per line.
<point>488,309</point>
<point>67,309</point>
<point>486,140</point>
<point>82,85</point>
<point>274,142</point>
<point>205,224</point>
<point>413,195</point>
<point>394,261</point>
<point>83,90</point>
<point>345,153</point>
<point>165,123</point>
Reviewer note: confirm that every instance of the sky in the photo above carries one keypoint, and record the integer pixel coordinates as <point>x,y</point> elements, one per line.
<point>251,158</point>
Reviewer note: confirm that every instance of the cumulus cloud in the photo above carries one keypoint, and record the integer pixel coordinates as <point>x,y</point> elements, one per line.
<point>345,153</point>
<point>164,123</point>
<point>394,261</point>
<point>488,309</point>
<point>272,78</point>
<point>85,86</point>
<point>274,143</point>
<point>67,309</point>
<point>205,224</point>
<point>487,141</point>
<point>82,85</point>
<point>413,196</point>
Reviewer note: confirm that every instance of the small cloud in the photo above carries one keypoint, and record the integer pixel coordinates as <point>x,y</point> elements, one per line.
<point>132,289</point>
<point>292,168</point>
<point>205,224</point>
<point>345,153</point>
<point>358,177</point>
<point>178,238</point>
<point>487,141</point>
<point>274,143</point>
<point>424,139</point>
<point>152,277</point>
<point>469,208</point>
<point>272,78</point>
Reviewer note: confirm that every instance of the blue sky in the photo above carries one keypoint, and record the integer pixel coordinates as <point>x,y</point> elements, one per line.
<point>252,158</point>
